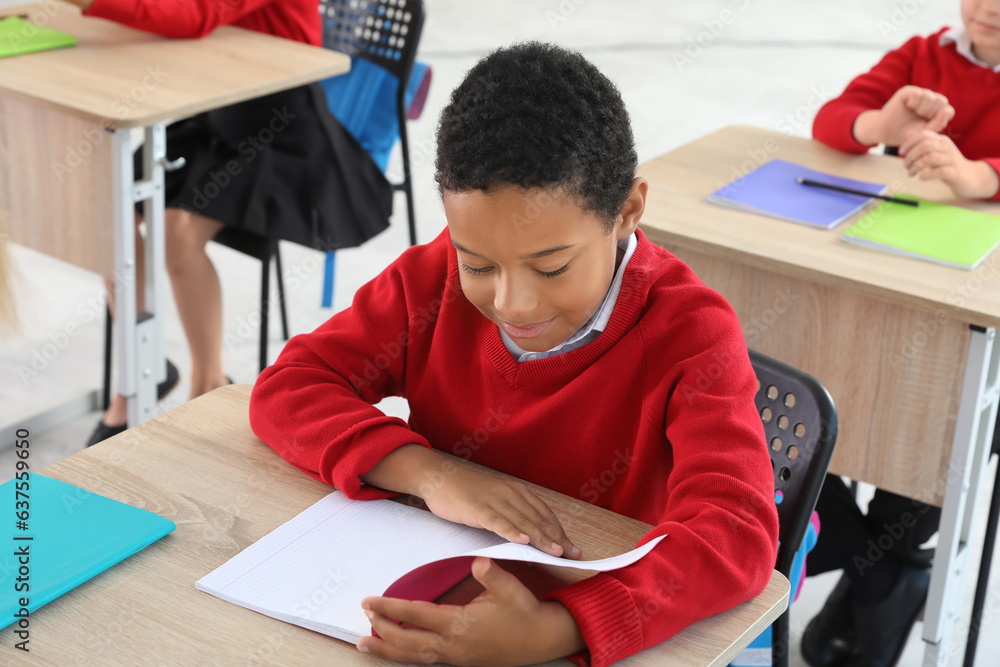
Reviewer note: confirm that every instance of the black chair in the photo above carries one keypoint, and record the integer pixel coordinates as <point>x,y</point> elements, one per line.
<point>800,423</point>
<point>386,33</point>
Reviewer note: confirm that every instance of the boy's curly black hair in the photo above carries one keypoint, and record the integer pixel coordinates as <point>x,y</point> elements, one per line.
<point>537,115</point>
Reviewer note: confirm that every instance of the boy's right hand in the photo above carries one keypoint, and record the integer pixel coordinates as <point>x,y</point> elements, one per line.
<point>507,508</point>
<point>476,499</point>
<point>910,109</point>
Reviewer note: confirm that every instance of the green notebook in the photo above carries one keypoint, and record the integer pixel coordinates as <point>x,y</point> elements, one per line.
<point>18,37</point>
<point>68,536</point>
<point>948,235</point>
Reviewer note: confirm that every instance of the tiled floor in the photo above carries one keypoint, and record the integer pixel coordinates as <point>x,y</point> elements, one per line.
<point>685,69</point>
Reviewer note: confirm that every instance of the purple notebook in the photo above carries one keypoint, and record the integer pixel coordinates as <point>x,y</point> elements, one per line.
<point>771,189</point>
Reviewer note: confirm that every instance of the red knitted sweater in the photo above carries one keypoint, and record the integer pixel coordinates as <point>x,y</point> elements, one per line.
<point>654,419</point>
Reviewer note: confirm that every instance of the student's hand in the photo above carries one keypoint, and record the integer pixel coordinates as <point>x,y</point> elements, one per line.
<point>931,156</point>
<point>506,625</point>
<point>507,508</point>
<point>910,109</point>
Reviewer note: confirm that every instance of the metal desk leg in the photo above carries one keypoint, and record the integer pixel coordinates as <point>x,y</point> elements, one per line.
<point>140,337</point>
<point>983,580</point>
<point>977,413</point>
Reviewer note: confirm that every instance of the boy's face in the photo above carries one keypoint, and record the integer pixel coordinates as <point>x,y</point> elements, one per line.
<point>982,21</point>
<point>533,261</point>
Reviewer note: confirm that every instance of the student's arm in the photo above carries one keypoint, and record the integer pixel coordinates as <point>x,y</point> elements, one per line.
<point>171,18</point>
<point>315,407</point>
<point>881,107</point>
<point>720,519</point>
<point>931,156</point>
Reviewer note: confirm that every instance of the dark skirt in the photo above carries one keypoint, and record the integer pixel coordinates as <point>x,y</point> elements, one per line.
<point>279,162</point>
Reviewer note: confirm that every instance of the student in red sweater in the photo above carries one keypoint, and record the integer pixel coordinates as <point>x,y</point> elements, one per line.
<point>541,335</point>
<point>277,161</point>
<point>937,99</point>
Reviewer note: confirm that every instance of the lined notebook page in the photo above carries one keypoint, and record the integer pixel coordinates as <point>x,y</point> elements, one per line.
<point>314,570</point>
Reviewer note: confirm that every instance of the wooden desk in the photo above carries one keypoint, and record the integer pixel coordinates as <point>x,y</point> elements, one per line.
<point>65,117</point>
<point>201,466</point>
<point>890,337</point>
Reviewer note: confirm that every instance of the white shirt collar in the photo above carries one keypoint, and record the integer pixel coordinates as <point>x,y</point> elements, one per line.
<point>963,44</point>
<point>594,326</point>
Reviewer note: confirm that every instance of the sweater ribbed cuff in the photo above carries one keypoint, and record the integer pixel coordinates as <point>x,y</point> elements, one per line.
<point>835,128</point>
<point>606,615</point>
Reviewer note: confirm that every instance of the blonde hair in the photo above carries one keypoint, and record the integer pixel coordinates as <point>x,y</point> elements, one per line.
<point>8,308</point>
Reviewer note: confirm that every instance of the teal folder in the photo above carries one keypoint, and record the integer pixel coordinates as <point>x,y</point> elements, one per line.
<point>74,535</point>
<point>18,37</point>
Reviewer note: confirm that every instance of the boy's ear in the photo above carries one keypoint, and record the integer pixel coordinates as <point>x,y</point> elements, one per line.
<point>631,213</point>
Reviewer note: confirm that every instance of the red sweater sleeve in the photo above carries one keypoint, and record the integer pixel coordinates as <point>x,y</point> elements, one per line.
<point>834,122</point>
<point>175,18</point>
<point>315,404</point>
<point>720,518</point>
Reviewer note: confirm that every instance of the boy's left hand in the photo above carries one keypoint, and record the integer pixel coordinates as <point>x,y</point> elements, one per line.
<point>929,155</point>
<point>505,625</point>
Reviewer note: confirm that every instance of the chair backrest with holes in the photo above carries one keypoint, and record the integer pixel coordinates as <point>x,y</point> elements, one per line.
<point>800,423</point>
<point>385,32</point>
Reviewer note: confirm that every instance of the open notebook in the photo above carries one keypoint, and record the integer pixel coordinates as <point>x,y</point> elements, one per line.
<point>948,235</point>
<point>771,189</point>
<point>314,570</point>
<point>70,535</point>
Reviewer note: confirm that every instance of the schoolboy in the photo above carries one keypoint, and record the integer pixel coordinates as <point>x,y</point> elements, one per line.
<point>937,99</point>
<point>543,313</point>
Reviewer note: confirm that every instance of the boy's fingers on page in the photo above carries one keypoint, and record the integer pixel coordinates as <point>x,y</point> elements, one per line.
<point>410,640</point>
<point>504,527</point>
<point>529,521</point>
<point>425,615</point>
<point>551,526</point>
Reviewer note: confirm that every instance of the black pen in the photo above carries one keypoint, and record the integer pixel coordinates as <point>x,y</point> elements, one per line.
<point>895,200</point>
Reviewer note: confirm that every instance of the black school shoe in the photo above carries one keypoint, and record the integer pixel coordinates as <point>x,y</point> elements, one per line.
<point>103,431</point>
<point>829,638</point>
<point>881,629</point>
